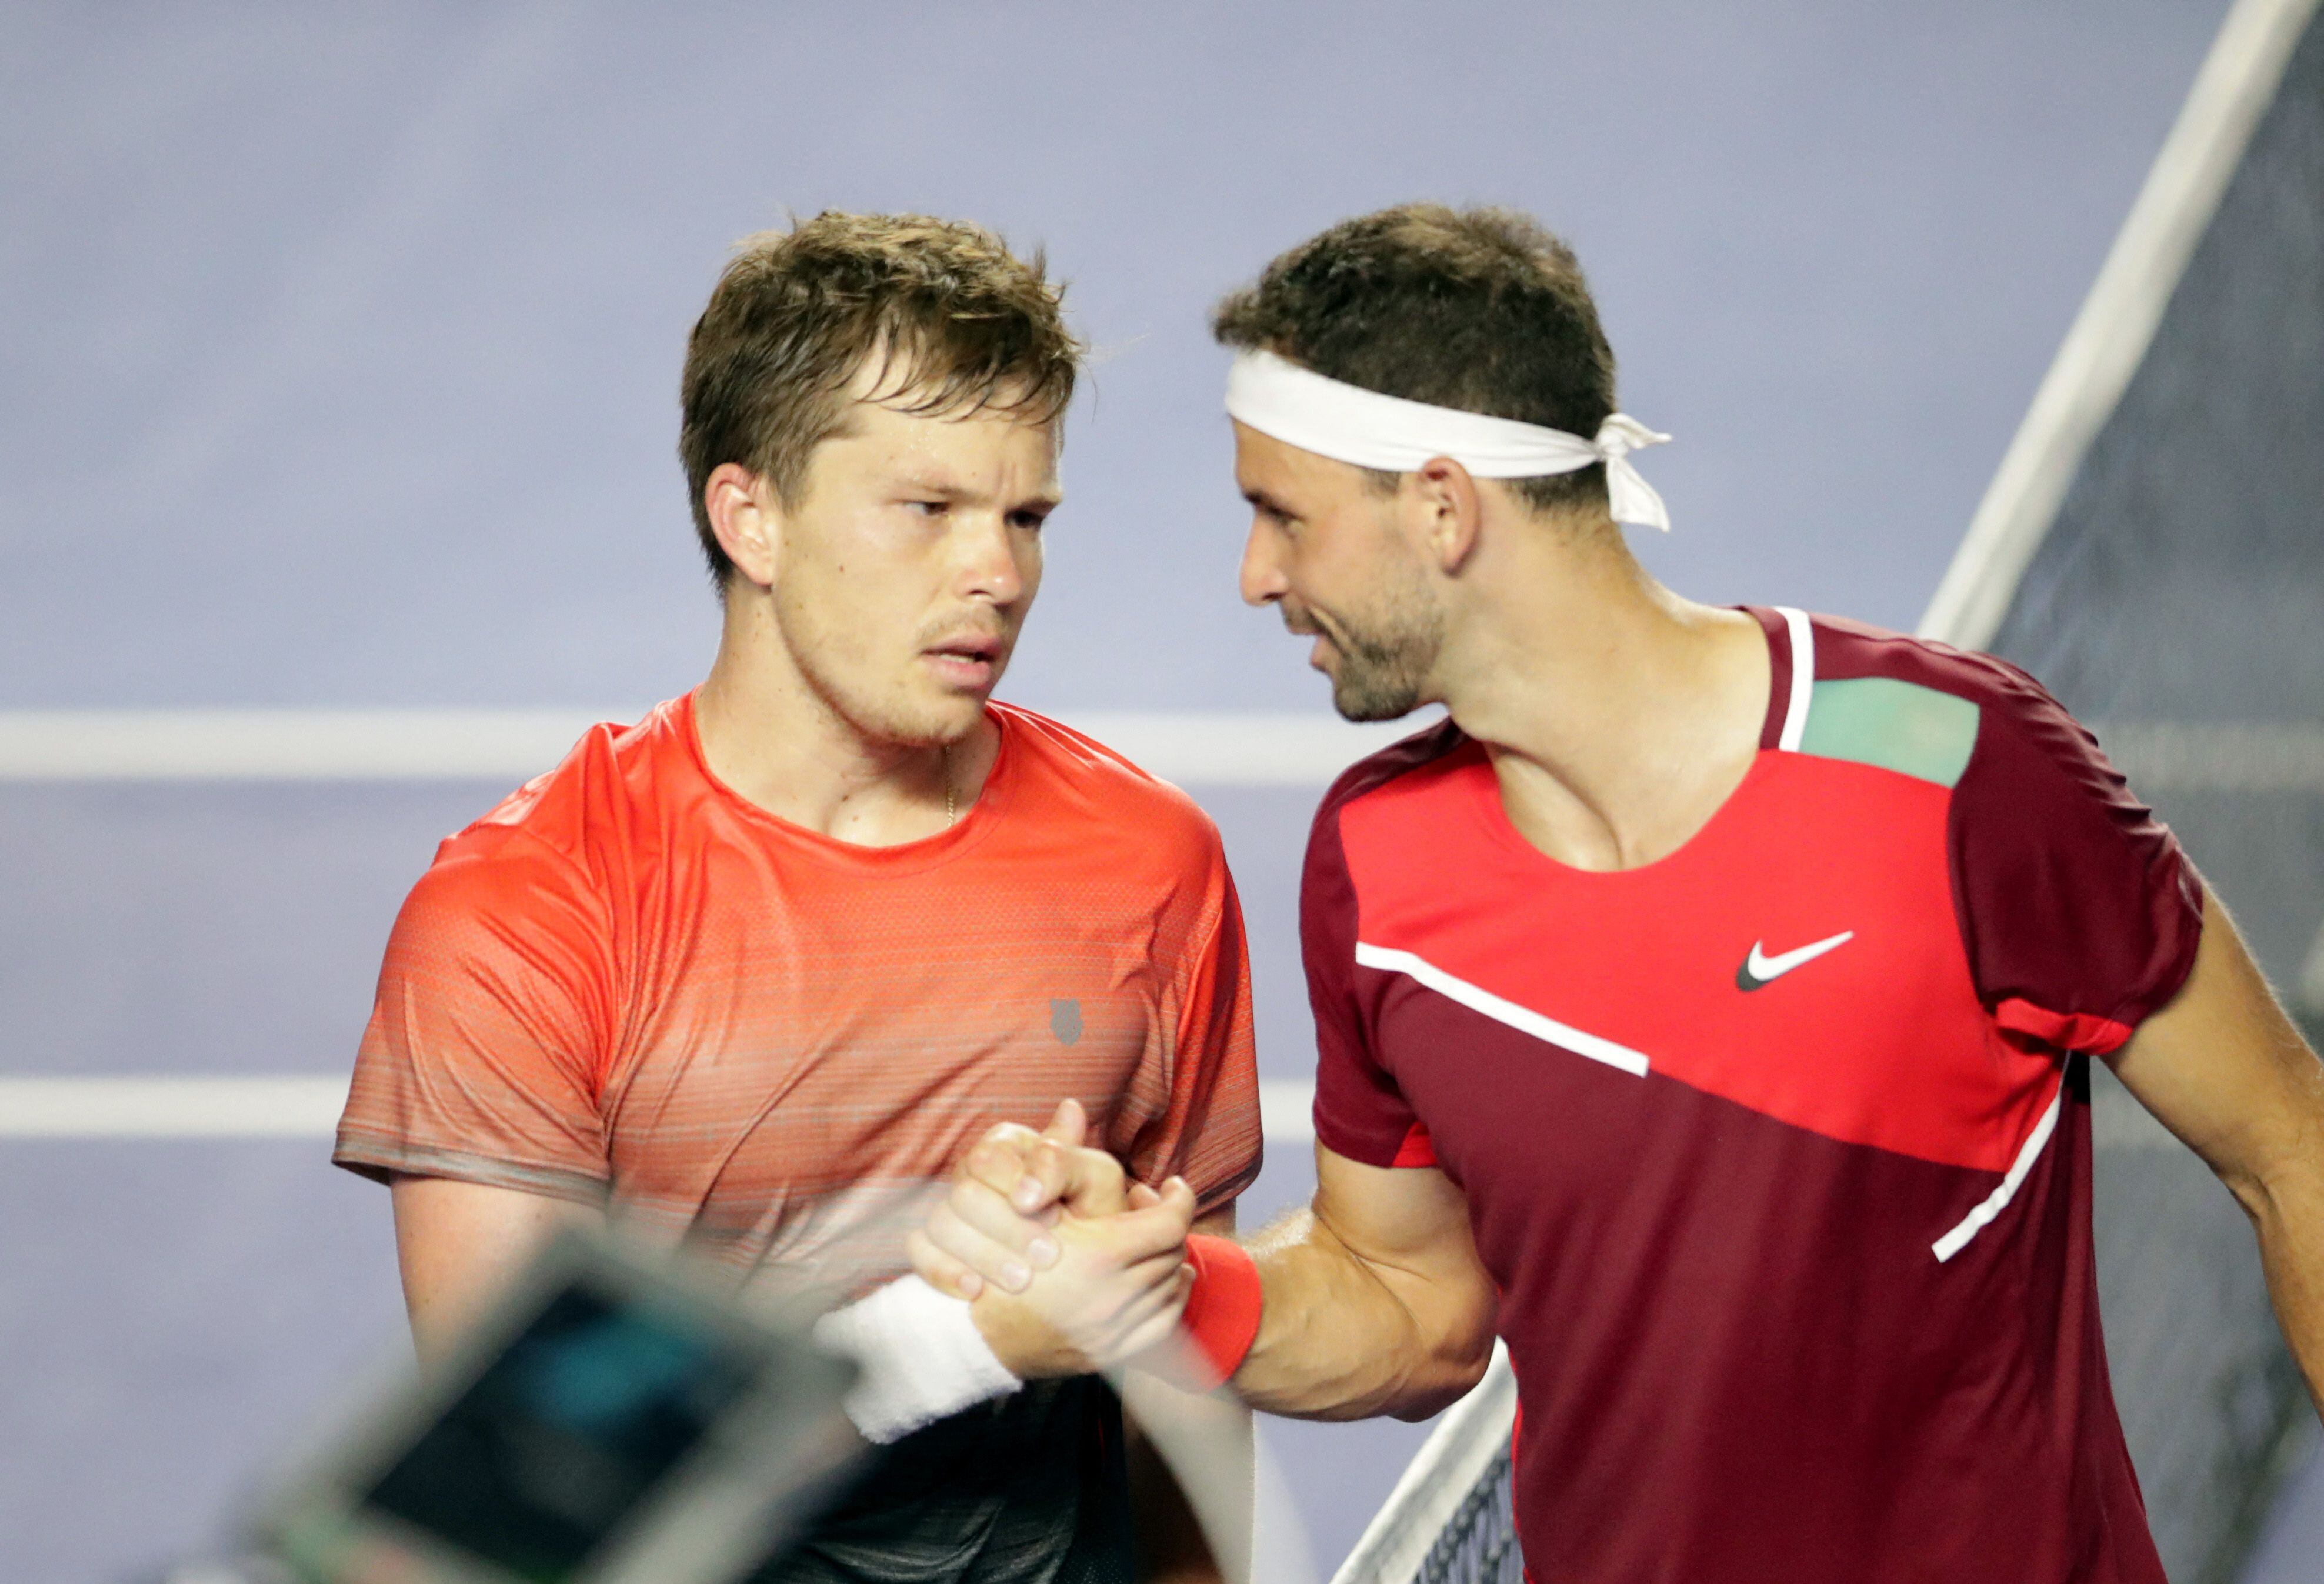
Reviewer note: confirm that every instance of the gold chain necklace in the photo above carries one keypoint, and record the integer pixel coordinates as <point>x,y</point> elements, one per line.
<point>945,754</point>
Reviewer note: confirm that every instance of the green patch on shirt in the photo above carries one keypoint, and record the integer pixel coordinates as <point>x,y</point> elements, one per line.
<point>1899,726</point>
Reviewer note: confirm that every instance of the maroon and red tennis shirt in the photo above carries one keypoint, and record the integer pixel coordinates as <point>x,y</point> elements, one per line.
<point>1778,1147</point>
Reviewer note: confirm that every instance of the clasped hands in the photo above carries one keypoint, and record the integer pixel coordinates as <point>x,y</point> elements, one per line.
<point>1068,1267</point>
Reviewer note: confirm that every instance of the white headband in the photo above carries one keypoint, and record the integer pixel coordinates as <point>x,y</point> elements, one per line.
<point>1349,423</point>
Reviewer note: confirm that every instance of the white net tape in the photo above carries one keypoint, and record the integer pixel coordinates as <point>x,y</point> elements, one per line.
<point>1449,1521</point>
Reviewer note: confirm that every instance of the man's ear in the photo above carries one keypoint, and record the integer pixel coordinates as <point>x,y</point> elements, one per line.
<point>747,518</point>
<point>1453,514</point>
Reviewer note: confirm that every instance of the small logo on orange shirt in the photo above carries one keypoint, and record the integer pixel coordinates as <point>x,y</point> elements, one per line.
<point>1066,1020</point>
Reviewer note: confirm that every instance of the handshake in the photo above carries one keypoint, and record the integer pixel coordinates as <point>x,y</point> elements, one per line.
<point>1042,1260</point>
<point>1068,1267</point>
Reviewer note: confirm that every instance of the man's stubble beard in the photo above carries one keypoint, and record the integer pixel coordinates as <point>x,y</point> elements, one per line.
<point>899,719</point>
<point>1385,656</point>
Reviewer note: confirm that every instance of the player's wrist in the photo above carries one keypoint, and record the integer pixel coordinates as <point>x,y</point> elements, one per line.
<point>1025,1343</point>
<point>923,1357</point>
<point>1223,1305</point>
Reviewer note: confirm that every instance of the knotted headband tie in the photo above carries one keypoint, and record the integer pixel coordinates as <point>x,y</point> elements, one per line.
<point>1351,424</point>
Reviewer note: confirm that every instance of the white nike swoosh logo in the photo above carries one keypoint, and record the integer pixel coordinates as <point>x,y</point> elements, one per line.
<point>1758,968</point>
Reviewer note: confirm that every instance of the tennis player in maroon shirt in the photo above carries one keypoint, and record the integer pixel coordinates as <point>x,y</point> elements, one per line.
<point>1705,1007</point>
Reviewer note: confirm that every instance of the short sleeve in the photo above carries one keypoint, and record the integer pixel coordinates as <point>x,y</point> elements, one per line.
<point>1210,1134</point>
<point>481,1060</point>
<point>1360,1111</point>
<point>2079,911</point>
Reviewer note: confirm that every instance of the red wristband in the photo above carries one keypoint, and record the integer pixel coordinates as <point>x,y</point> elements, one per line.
<point>1221,1316</point>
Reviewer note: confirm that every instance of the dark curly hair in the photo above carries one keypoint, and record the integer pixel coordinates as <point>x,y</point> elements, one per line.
<point>1478,308</point>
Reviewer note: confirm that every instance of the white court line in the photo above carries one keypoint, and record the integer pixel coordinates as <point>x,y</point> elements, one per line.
<point>1218,748</point>
<point>279,745</point>
<point>249,1106</point>
<point>1200,748</point>
<point>1286,1109</point>
<point>204,1106</point>
<point>1215,748</point>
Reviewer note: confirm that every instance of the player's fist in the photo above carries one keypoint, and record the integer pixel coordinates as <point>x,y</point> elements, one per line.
<point>995,1225</point>
<point>1113,1292</point>
<point>1071,1265</point>
<point>1035,1171</point>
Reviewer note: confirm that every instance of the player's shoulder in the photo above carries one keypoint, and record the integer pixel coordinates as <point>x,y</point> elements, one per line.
<point>1430,746</point>
<point>1850,651</point>
<point>564,830</point>
<point>1928,709</point>
<point>1080,777</point>
<point>1400,790</point>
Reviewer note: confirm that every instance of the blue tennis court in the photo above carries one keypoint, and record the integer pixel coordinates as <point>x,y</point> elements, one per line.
<point>339,367</point>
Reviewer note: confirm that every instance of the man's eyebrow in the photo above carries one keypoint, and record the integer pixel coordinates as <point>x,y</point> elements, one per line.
<point>1266,502</point>
<point>936,486</point>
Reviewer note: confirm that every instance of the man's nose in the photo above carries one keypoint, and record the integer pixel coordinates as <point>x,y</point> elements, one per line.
<point>1262,578</point>
<point>991,566</point>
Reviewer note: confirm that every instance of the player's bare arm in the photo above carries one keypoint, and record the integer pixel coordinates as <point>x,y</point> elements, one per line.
<point>2223,1068</point>
<point>1375,1300</point>
<point>458,1244</point>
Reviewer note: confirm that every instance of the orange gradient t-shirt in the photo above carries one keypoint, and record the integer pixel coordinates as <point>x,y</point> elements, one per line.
<point>629,986</point>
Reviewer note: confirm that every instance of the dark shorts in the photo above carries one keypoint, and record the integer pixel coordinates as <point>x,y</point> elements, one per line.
<point>1031,1489</point>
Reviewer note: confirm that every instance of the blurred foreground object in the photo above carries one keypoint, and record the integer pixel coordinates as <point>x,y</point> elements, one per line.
<point>614,1421</point>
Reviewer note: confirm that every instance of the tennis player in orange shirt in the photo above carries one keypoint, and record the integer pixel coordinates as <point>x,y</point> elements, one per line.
<point>756,969</point>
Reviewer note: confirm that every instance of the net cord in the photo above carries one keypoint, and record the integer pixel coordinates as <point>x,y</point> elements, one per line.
<point>1469,1442</point>
<point>2110,337</point>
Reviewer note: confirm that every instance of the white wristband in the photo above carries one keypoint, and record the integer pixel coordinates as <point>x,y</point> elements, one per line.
<point>922,1357</point>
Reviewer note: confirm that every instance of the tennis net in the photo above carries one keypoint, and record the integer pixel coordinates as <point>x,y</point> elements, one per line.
<point>1449,1520</point>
